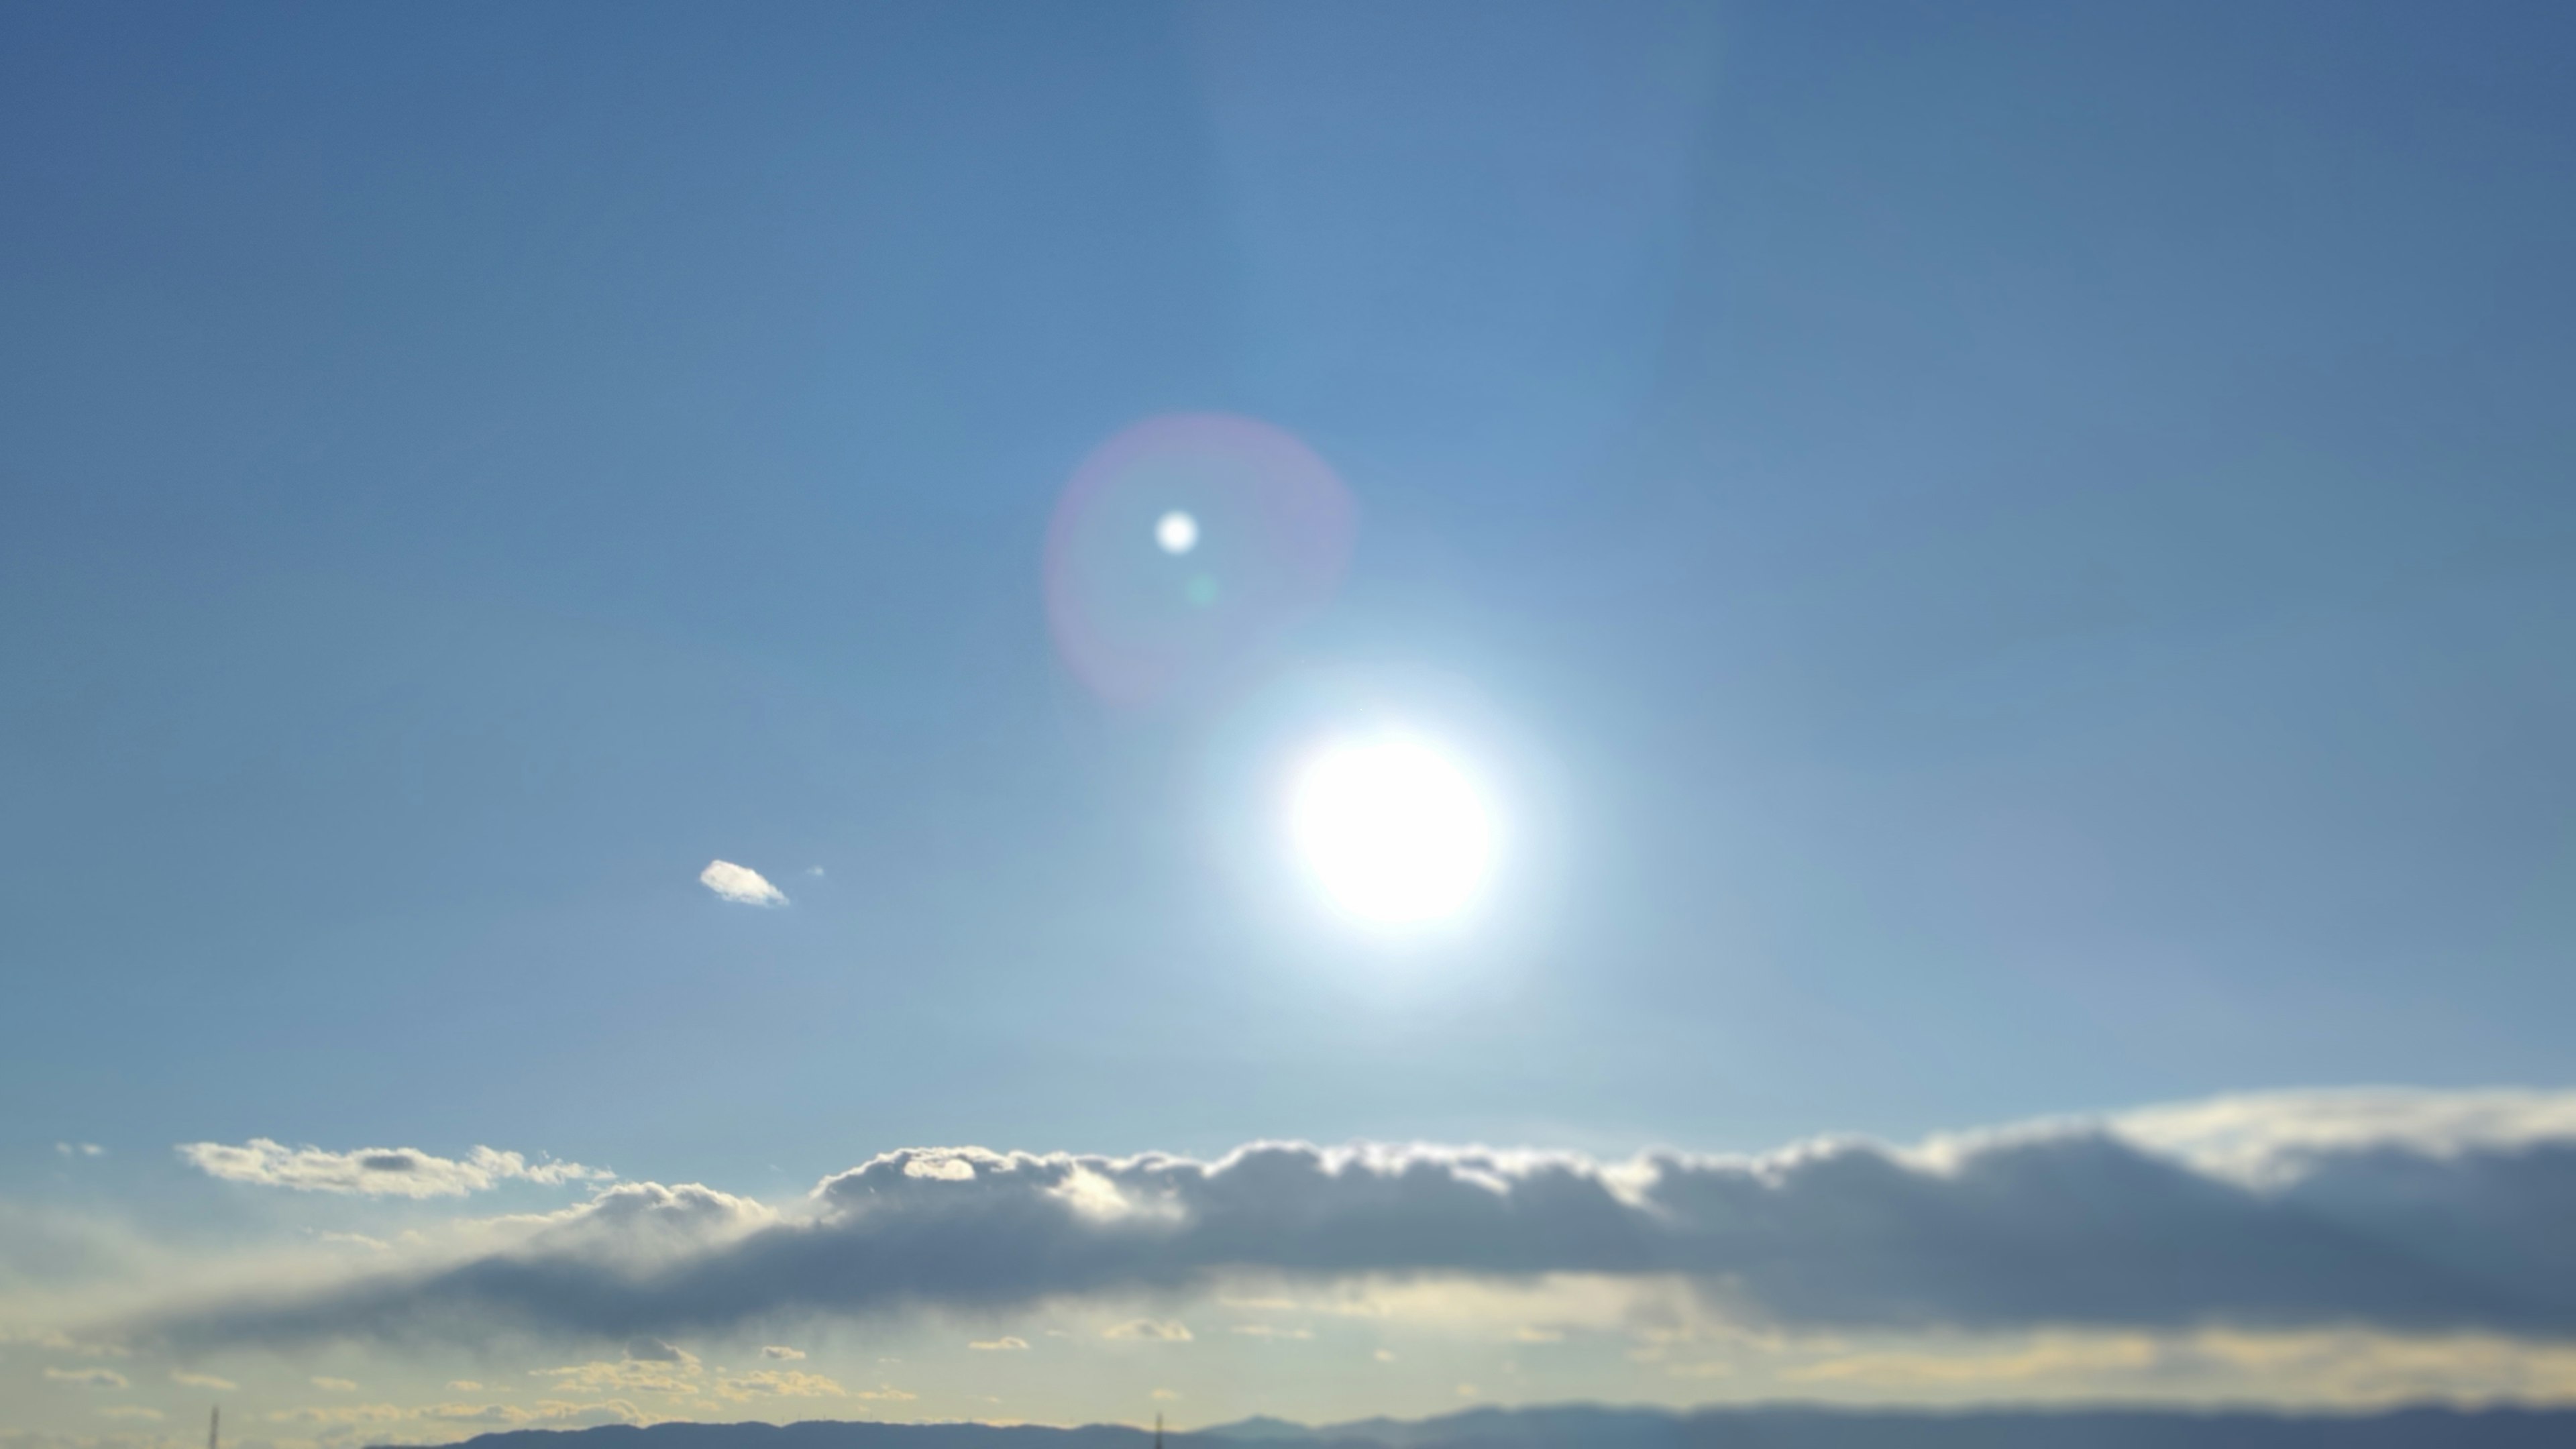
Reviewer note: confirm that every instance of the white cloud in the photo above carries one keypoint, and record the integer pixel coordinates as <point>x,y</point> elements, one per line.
<point>377,1171</point>
<point>780,1350</point>
<point>650,1366</point>
<point>740,884</point>
<point>89,1378</point>
<point>358,1240</point>
<point>204,1381</point>
<point>80,1149</point>
<point>1007,1343</point>
<point>778,1383</point>
<point>332,1385</point>
<point>2272,1139</point>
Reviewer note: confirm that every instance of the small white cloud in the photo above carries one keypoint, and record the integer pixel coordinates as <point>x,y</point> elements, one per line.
<point>995,1345</point>
<point>1272,1330</point>
<point>337,1386</point>
<point>1165,1394</point>
<point>1386,1355</point>
<point>778,1383</point>
<point>204,1381</point>
<point>88,1378</point>
<point>358,1240</point>
<point>1164,1331</point>
<point>131,1411</point>
<point>780,1350</point>
<point>740,884</point>
<point>376,1171</point>
<point>464,1386</point>
<point>80,1149</point>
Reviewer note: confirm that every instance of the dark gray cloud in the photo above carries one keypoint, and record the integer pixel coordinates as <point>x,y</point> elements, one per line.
<point>2066,1225</point>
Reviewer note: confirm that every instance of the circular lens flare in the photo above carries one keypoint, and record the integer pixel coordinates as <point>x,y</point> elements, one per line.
<point>1394,830</point>
<point>1265,527</point>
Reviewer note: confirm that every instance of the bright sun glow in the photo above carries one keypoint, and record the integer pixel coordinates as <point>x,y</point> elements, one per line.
<point>1176,532</point>
<point>1393,829</point>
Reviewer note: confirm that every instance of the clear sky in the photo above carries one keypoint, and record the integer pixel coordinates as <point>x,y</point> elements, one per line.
<point>1989,562</point>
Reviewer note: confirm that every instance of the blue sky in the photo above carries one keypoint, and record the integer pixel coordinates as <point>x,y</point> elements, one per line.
<point>2003,561</point>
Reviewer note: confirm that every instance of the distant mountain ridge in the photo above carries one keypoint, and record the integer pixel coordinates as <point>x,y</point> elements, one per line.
<point>1587,1427</point>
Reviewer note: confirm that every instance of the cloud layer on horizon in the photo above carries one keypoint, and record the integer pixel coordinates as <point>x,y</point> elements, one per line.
<point>2270,1211</point>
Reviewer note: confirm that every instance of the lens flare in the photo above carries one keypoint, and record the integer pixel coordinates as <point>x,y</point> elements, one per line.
<point>1182,547</point>
<point>1394,830</point>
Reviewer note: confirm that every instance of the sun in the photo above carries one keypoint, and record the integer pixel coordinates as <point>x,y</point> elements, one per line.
<point>1393,829</point>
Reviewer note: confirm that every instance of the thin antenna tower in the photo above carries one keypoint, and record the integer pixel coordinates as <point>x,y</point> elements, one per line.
<point>215,1429</point>
<point>1158,1433</point>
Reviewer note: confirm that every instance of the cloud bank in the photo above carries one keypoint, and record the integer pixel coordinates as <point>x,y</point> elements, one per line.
<point>377,1171</point>
<point>740,884</point>
<point>2395,1211</point>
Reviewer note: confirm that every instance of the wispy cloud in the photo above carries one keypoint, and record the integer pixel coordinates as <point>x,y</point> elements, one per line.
<point>1005,1344</point>
<point>79,1149</point>
<point>2275,1138</point>
<point>88,1378</point>
<point>780,1350</point>
<point>554,1412</point>
<point>740,884</point>
<point>1165,1331</point>
<point>780,1384</point>
<point>2435,1221</point>
<point>204,1381</point>
<point>650,1365</point>
<point>55,1339</point>
<point>377,1171</point>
